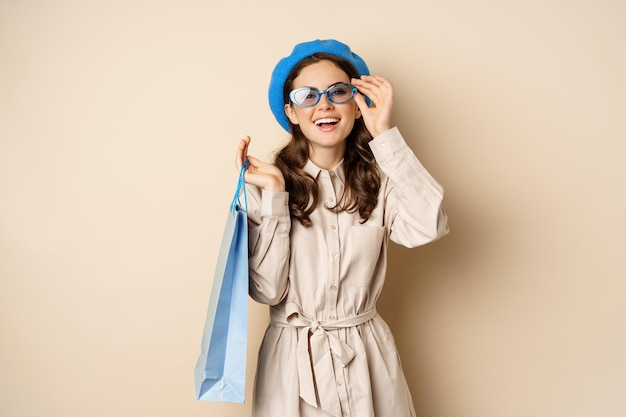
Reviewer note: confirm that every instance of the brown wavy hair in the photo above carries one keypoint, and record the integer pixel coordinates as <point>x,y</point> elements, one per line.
<point>361,171</point>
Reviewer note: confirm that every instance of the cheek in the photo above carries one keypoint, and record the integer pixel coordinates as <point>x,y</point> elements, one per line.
<point>356,110</point>
<point>301,113</point>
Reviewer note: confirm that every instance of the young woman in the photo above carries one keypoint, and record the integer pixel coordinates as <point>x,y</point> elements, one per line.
<point>320,220</point>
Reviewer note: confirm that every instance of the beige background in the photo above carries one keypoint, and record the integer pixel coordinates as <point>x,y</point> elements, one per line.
<point>118,124</point>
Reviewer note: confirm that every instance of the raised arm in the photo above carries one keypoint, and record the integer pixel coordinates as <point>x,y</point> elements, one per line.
<point>413,199</point>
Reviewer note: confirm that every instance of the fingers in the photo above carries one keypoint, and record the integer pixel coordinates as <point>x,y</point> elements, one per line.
<point>360,101</point>
<point>377,117</point>
<point>374,86</point>
<point>370,82</point>
<point>242,152</point>
<point>255,164</point>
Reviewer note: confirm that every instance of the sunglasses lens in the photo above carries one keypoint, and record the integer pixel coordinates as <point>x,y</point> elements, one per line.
<point>309,96</point>
<point>305,97</point>
<point>341,93</point>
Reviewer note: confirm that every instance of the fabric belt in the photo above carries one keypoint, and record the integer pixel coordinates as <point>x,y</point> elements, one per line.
<point>314,355</point>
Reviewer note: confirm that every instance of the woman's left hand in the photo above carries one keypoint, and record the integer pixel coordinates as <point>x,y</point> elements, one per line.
<point>380,91</point>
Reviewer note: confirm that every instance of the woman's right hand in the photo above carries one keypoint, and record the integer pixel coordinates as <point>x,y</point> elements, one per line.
<point>259,173</point>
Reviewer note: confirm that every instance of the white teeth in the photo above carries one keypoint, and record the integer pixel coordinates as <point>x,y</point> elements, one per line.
<point>326,120</point>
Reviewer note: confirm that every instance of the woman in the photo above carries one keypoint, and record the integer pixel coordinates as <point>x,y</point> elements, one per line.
<point>321,218</point>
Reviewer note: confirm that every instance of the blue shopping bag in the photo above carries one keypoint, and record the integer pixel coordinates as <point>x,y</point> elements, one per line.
<point>220,372</point>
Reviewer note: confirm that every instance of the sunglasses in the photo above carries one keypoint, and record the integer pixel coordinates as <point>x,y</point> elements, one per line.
<point>339,93</point>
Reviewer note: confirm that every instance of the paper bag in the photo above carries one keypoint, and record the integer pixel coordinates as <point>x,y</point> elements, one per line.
<point>220,372</point>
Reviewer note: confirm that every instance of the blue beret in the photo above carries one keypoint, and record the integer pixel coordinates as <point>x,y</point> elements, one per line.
<point>301,51</point>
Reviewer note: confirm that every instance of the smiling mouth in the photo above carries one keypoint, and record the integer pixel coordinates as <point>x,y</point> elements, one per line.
<point>326,121</point>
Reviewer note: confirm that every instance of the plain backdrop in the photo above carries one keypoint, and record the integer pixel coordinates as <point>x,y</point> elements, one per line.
<point>118,126</point>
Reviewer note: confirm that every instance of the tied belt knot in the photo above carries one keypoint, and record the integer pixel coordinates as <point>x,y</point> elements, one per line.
<point>315,351</point>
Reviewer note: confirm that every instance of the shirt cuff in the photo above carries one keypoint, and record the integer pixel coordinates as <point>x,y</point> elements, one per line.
<point>387,143</point>
<point>274,203</point>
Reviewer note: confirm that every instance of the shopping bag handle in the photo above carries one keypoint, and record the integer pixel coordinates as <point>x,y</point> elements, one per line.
<point>241,186</point>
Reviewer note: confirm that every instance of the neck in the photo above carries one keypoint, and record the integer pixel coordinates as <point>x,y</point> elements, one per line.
<point>327,158</point>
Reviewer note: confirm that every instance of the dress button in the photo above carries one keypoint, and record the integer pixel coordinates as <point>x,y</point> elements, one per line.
<point>333,318</point>
<point>333,227</point>
<point>344,414</point>
<point>335,254</point>
<point>333,287</point>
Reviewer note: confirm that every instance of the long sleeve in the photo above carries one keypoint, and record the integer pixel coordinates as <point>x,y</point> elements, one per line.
<point>413,212</point>
<point>269,226</point>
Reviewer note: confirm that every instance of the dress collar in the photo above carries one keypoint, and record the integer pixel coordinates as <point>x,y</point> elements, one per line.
<point>313,170</point>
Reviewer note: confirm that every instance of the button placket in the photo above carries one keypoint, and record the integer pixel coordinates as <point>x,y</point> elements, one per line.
<point>343,393</point>
<point>327,191</point>
<point>335,259</point>
<point>333,224</point>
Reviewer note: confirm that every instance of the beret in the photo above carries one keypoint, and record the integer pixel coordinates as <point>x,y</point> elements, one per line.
<point>301,51</point>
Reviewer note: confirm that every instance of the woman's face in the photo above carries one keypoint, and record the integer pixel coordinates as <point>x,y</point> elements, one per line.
<point>325,125</point>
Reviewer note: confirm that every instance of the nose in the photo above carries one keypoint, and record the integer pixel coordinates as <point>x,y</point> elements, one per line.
<point>325,102</point>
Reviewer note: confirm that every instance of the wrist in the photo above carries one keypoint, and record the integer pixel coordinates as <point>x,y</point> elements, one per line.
<point>379,131</point>
<point>276,186</point>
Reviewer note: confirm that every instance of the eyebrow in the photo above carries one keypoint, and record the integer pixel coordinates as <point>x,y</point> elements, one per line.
<point>327,87</point>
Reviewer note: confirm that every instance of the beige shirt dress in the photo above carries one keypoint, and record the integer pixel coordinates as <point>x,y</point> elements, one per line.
<point>326,351</point>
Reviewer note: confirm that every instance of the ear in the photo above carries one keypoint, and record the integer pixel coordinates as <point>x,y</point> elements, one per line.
<point>291,114</point>
<point>358,113</point>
